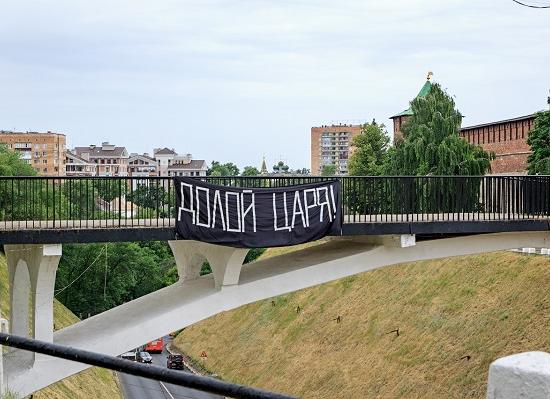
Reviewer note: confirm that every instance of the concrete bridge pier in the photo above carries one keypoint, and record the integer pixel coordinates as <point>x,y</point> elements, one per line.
<point>32,269</point>
<point>226,262</point>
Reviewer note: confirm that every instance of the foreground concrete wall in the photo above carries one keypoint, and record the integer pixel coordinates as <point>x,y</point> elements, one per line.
<point>525,375</point>
<point>195,298</point>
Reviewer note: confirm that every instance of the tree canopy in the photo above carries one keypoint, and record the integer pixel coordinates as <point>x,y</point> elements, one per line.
<point>250,171</point>
<point>431,143</point>
<point>328,170</point>
<point>225,169</point>
<point>11,163</point>
<point>539,140</point>
<point>370,151</point>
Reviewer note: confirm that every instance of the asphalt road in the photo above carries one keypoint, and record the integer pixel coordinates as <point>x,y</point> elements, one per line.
<point>143,388</point>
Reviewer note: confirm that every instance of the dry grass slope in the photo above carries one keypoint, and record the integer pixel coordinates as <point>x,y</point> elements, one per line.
<point>92,383</point>
<point>483,306</point>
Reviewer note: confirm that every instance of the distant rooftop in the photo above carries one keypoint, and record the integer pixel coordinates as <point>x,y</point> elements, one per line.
<point>164,151</point>
<point>195,164</point>
<point>104,150</point>
<point>14,132</point>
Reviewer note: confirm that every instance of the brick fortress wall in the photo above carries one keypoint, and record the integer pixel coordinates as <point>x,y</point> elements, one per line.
<point>507,139</point>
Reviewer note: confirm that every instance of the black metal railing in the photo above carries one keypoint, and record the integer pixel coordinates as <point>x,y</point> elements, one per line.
<point>96,202</point>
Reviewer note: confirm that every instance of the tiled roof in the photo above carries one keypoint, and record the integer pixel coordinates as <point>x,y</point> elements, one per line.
<point>422,93</point>
<point>99,152</point>
<point>146,157</point>
<point>195,164</point>
<point>165,151</point>
<point>73,155</point>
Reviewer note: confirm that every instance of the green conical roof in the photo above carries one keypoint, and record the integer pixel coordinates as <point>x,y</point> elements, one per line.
<point>422,93</point>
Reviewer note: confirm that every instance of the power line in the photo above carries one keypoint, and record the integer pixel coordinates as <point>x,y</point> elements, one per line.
<point>60,290</point>
<point>529,5</point>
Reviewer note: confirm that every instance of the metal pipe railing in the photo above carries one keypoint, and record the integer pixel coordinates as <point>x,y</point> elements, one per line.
<point>88,202</point>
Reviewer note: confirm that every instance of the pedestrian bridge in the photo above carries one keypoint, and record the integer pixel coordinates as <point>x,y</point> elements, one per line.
<point>96,209</point>
<point>387,220</point>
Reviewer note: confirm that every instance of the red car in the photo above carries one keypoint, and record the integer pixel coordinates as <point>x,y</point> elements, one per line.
<point>155,346</point>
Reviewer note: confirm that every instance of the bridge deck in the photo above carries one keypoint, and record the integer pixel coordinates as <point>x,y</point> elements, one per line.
<point>348,219</point>
<point>103,230</point>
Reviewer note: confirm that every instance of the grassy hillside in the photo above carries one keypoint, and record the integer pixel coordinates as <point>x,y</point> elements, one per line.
<point>92,383</point>
<point>484,306</point>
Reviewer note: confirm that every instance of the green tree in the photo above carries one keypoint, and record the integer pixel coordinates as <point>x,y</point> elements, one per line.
<point>11,163</point>
<point>250,171</point>
<point>539,139</point>
<point>431,144</point>
<point>328,170</point>
<point>93,278</point>
<point>219,169</point>
<point>109,189</point>
<point>151,195</point>
<point>370,151</point>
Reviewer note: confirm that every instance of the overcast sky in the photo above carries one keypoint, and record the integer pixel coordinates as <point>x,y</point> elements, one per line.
<point>237,80</point>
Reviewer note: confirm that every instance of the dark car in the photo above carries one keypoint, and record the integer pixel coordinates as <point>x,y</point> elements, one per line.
<point>145,357</point>
<point>174,362</point>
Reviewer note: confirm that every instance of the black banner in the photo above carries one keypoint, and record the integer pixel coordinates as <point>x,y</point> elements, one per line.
<point>257,217</point>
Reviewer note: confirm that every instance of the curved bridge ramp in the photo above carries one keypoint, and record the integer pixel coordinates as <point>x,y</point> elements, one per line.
<point>195,298</point>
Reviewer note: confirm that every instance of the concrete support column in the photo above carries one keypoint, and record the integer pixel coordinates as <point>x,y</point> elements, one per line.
<point>525,375</point>
<point>19,289</point>
<point>226,262</point>
<point>32,269</point>
<point>42,270</point>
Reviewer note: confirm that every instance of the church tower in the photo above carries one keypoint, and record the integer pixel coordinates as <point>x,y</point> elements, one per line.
<point>401,117</point>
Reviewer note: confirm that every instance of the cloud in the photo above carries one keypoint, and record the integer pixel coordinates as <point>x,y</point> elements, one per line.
<point>207,76</point>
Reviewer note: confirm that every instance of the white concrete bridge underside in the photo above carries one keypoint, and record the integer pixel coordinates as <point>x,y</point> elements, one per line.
<point>195,298</point>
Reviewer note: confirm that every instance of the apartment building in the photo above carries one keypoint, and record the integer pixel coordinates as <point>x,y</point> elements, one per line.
<point>142,165</point>
<point>110,160</point>
<point>77,166</point>
<point>196,167</point>
<point>164,157</point>
<point>331,145</point>
<point>169,163</point>
<point>45,152</point>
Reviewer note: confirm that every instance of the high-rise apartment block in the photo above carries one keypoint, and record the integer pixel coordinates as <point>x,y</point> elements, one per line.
<point>331,145</point>
<point>45,152</point>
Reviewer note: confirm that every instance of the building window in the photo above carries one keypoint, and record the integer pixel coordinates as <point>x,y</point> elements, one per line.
<point>45,161</point>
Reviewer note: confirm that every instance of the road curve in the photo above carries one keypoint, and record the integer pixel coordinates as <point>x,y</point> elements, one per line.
<point>143,388</point>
